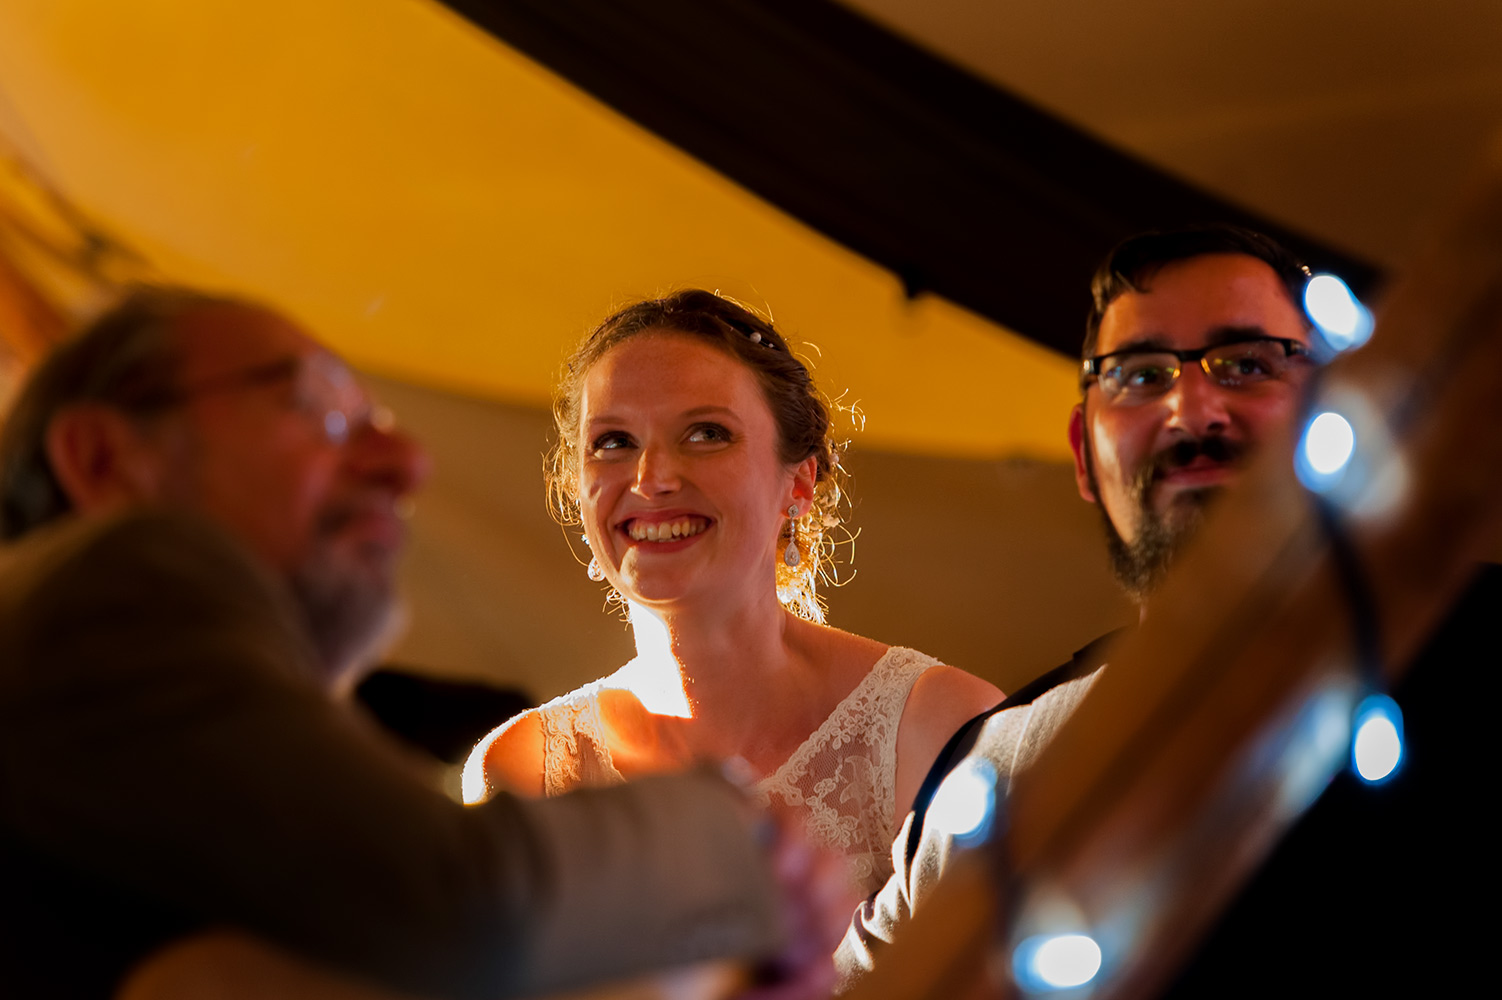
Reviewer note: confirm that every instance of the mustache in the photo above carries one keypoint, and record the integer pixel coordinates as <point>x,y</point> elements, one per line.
<point>1216,448</point>
<point>337,516</point>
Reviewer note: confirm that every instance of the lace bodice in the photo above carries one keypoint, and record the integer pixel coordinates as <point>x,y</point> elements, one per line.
<point>843,777</point>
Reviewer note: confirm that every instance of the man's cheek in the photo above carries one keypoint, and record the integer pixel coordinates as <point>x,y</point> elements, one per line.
<point>1106,457</point>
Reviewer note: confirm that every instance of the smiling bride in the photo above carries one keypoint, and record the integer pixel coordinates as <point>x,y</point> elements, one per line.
<point>696,452</point>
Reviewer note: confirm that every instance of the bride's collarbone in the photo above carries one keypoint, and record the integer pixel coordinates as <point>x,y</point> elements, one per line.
<point>643,743</point>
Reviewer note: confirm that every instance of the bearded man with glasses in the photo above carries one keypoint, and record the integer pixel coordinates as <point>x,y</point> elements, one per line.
<point>1196,352</point>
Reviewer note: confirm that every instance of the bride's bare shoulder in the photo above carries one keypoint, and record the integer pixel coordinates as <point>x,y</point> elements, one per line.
<point>509,759</point>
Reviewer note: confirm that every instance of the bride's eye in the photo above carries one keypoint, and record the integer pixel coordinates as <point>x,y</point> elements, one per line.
<point>709,433</point>
<point>610,441</point>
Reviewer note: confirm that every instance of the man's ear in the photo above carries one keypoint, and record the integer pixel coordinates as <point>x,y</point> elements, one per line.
<point>1080,447</point>
<point>101,459</point>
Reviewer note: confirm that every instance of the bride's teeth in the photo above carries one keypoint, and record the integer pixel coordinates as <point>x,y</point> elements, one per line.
<point>665,532</point>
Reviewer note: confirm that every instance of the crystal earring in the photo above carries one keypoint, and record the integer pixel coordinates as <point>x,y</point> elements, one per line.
<point>594,572</point>
<point>790,554</point>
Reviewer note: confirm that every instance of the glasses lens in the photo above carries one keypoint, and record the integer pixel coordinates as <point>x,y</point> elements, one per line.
<point>1247,362</point>
<point>329,394</point>
<point>1138,374</point>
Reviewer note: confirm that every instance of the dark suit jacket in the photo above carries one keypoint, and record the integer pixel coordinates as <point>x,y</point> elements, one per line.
<point>166,764</point>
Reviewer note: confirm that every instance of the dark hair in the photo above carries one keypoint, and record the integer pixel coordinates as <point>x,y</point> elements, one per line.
<point>801,414</point>
<point>1134,261</point>
<point>127,358</point>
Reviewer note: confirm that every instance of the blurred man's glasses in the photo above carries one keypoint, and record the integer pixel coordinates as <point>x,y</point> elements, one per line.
<point>321,388</point>
<point>1140,375</point>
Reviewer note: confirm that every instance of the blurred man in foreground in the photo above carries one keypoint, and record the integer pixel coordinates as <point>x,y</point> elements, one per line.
<point>205,514</point>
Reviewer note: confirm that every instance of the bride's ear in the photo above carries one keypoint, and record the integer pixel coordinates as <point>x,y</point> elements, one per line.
<point>805,477</point>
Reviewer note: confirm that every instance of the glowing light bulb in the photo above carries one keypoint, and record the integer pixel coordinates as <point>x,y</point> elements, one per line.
<point>1325,450</point>
<point>1056,962</point>
<point>1340,316</point>
<point>1378,747</point>
<point>965,804</point>
<point>1329,443</point>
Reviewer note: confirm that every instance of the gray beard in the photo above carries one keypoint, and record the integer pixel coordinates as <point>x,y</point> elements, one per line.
<point>349,617</point>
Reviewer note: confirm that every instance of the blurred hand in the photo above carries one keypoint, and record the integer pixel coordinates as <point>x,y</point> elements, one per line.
<point>818,899</point>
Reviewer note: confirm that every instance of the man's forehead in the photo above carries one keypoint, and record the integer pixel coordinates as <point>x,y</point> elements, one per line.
<point>220,337</point>
<point>1194,302</point>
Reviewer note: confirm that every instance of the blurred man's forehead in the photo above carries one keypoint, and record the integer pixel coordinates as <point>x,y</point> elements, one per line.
<point>219,337</point>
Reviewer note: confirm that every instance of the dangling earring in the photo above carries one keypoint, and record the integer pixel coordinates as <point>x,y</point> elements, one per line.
<point>790,554</point>
<point>594,572</point>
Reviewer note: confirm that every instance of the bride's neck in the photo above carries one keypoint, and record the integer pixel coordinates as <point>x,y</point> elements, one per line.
<point>702,656</point>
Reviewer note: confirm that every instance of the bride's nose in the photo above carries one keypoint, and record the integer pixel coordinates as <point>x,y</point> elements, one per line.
<point>657,472</point>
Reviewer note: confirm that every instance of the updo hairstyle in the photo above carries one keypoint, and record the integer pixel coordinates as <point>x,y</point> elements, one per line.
<point>797,406</point>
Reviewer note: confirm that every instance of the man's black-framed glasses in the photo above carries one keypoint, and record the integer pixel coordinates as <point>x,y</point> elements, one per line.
<point>1142,374</point>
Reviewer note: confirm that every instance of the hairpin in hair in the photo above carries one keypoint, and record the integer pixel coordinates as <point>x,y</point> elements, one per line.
<point>755,336</point>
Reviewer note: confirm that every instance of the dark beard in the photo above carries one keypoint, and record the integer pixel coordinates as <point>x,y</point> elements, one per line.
<point>1141,565</point>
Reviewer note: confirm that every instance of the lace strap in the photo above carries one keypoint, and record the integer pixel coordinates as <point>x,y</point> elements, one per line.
<point>873,708</point>
<point>574,750</point>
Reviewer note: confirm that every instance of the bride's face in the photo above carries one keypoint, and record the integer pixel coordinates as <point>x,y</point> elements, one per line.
<point>682,491</point>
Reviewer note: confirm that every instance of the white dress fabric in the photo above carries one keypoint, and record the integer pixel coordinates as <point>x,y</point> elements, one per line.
<point>843,778</point>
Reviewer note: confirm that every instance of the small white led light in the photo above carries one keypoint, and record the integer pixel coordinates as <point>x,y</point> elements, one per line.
<point>1339,315</point>
<point>1325,450</point>
<point>1377,749</point>
<point>1049,962</point>
<point>1329,443</point>
<point>965,804</point>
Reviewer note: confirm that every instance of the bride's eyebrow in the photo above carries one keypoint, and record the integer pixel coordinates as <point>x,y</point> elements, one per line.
<point>701,411</point>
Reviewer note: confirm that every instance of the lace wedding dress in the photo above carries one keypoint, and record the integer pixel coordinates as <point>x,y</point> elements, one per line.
<point>842,778</point>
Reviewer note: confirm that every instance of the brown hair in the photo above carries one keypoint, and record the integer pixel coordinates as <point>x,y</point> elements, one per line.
<point>800,411</point>
<point>127,358</point>
<point>1132,263</point>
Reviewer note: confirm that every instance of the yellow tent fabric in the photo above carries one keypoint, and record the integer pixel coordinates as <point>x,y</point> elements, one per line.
<point>445,211</point>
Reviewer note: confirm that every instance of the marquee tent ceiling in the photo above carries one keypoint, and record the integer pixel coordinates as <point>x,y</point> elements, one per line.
<point>959,188</point>
<point>1350,120</point>
<point>447,211</point>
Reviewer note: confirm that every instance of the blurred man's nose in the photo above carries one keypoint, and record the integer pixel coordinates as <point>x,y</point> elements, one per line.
<point>385,453</point>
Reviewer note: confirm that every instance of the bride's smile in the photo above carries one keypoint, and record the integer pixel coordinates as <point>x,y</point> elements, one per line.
<point>682,490</point>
